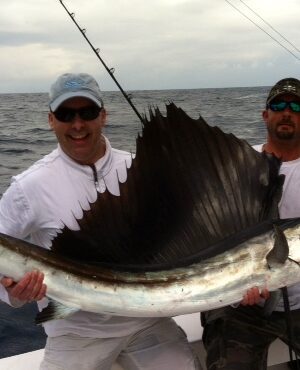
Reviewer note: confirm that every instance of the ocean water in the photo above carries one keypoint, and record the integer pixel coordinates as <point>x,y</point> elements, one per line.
<point>25,137</point>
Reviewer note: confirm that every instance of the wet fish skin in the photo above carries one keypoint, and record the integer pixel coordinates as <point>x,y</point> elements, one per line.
<point>212,283</point>
<point>194,239</point>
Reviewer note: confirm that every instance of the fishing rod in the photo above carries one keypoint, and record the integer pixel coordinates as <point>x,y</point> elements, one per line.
<point>272,28</point>
<point>261,28</point>
<point>97,52</point>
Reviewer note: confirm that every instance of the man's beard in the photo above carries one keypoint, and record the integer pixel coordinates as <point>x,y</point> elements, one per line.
<point>283,134</point>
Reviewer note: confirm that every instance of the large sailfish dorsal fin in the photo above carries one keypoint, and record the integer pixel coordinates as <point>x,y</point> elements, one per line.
<point>190,187</point>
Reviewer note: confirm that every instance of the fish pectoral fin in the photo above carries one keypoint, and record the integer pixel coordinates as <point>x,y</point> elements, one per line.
<point>280,251</point>
<point>54,311</point>
<point>272,302</point>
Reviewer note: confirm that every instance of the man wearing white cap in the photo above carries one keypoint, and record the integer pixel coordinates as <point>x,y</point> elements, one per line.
<point>52,193</point>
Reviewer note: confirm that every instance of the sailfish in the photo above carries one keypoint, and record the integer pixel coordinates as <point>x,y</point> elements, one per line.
<point>196,224</point>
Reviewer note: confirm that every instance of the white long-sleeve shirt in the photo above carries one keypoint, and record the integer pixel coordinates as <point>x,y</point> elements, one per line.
<point>50,194</point>
<point>289,207</point>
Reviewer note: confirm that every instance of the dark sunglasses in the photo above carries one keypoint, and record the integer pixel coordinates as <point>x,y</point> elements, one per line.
<point>282,105</point>
<point>65,114</point>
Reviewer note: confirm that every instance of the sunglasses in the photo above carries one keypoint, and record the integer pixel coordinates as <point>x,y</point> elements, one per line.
<point>282,105</point>
<point>64,114</point>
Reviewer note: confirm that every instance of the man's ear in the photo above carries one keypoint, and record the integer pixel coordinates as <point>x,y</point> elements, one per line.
<point>265,115</point>
<point>103,114</point>
<point>50,120</point>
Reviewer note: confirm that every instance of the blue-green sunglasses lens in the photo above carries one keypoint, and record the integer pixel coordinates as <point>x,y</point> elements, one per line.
<point>281,106</point>
<point>278,107</point>
<point>295,107</point>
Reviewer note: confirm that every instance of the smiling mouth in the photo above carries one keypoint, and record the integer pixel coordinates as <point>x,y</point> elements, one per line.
<point>78,137</point>
<point>287,124</point>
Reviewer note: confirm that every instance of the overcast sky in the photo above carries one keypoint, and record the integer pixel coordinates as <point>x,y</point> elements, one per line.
<point>157,44</point>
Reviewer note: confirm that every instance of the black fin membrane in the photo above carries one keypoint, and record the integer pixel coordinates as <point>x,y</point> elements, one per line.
<point>192,190</point>
<point>54,311</point>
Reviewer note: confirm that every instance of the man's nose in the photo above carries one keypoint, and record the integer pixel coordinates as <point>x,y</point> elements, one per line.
<point>77,122</point>
<point>287,112</point>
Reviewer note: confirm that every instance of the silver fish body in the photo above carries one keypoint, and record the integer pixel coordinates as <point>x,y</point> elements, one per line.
<point>212,283</point>
<point>191,230</point>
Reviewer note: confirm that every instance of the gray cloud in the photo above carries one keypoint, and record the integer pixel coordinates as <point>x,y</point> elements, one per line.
<point>153,45</point>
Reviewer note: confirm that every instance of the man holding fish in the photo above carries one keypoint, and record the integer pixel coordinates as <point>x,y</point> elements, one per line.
<point>53,193</point>
<point>239,337</point>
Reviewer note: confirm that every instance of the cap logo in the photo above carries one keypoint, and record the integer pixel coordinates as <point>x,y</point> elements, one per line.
<point>289,88</point>
<point>73,84</point>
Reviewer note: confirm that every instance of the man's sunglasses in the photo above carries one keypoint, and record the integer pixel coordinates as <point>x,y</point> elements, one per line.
<point>64,114</point>
<point>282,105</point>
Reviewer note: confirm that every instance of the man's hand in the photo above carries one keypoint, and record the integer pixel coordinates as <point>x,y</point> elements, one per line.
<point>29,288</point>
<point>254,296</point>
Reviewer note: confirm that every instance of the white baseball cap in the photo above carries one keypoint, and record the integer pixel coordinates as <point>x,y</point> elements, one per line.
<point>70,85</point>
